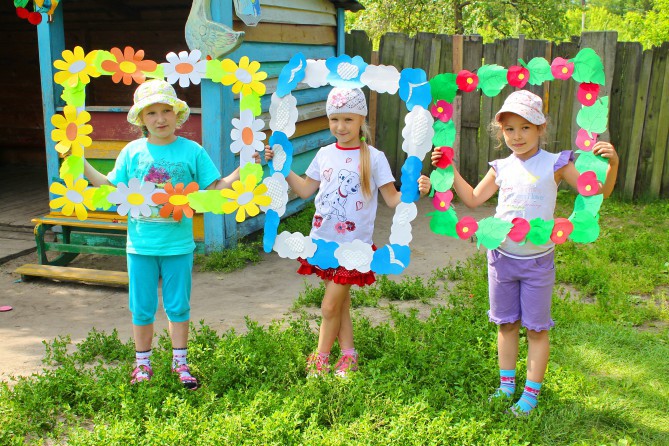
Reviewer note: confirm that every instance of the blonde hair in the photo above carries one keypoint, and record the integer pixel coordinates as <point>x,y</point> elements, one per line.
<point>495,129</point>
<point>365,161</point>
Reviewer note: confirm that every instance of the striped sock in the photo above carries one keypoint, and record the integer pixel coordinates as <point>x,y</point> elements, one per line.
<point>179,357</point>
<point>528,400</point>
<point>143,358</point>
<point>507,384</point>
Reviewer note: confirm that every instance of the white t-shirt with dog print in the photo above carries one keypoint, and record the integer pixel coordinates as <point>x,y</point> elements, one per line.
<point>342,212</point>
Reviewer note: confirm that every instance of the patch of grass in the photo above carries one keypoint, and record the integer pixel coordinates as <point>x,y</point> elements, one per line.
<point>230,259</point>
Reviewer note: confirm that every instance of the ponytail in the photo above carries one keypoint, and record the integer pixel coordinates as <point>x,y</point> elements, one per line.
<point>365,161</point>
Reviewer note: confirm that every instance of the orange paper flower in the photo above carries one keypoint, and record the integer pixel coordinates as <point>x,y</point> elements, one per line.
<point>175,200</point>
<point>129,66</point>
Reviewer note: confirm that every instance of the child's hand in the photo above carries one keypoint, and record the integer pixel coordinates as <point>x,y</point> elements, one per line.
<point>269,153</point>
<point>424,185</point>
<point>256,157</point>
<point>606,150</point>
<point>436,156</point>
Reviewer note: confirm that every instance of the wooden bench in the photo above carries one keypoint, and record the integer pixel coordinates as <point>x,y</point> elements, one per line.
<point>68,273</point>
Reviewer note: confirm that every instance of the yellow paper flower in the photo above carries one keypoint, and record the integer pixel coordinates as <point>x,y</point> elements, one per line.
<point>74,197</point>
<point>245,198</point>
<point>244,78</point>
<point>71,131</point>
<point>76,67</point>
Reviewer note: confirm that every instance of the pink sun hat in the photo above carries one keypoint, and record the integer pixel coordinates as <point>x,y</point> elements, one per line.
<point>526,104</point>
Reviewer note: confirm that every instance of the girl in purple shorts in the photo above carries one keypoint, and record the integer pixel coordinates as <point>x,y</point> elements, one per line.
<point>521,276</point>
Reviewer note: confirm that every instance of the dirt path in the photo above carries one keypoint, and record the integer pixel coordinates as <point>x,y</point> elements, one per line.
<point>44,310</point>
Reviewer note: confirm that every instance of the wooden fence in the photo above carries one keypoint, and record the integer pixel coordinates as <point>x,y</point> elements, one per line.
<point>637,83</point>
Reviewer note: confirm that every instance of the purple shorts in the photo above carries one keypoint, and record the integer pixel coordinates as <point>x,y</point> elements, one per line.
<point>521,290</point>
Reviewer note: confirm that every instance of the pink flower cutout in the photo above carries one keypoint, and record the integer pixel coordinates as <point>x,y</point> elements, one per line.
<point>587,184</point>
<point>466,227</point>
<point>584,141</point>
<point>446,159</point>
<point>561,68</point>
<point>340,227</point>
<point>561,230</point>
<point>467,81</point>
<point>587,93</point>
<point>338,100</point>
<point>519,230</point>
<point>442,200</point>
<point>442,110</point>
<point>517,76</point>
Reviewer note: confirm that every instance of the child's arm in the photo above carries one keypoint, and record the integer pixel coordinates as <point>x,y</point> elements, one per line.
<point>94,177</point>
<point>226,182</point>
<point>570,174</point>
<point>393,197</point>
<point>303,187</point>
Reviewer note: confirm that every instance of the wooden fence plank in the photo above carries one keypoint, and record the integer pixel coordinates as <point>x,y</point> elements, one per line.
<point>486,115</point>
<point>470,117</point>
<point>658,141</point>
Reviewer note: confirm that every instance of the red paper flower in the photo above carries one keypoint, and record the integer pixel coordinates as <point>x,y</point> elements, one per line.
<point>467,81</point>
<point>519,230</point>
<point>587,93</point>
<point>442,110</point>
<point>587,184</point>
<point>561,230</point>
<point>175,200</point>
<point>562,68</point>
<point>446,159</point>
<point>517,76</point>
<point>442,200</point>
<point>585,142</point>
<point>129,66</point>
<point>466,227</point>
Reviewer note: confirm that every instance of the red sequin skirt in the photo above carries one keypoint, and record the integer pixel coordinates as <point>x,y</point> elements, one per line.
<point>338,275</point>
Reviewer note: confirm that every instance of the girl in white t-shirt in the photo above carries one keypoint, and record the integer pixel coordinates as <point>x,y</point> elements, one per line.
<point>348,176</point>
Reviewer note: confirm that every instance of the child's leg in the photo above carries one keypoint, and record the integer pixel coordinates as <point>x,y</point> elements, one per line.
<point>345,335</point>
<point>335,298</point>
<point>507,356</point>
<point>537,361</point>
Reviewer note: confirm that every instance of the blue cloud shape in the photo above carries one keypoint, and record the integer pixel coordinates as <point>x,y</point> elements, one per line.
<point>348,81</point>
<point>324,257</point>
<point>291,75</point>
<point>391,259</point>
<point>410,174</point>
<point>271,226</point>
<point>414,88</point>
<point>281,139</point>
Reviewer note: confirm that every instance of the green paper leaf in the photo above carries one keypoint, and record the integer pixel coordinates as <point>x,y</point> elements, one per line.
<point>540,231</point>
<point>492,232</point>
<point>251,102</point>
<point>74,96</point>
<point>100,197</point>
<point>251,169</point>
<point>443,87</point>
<point>444,133</point>
<point>101,56</point>
<point>72,165</point>
<point>443,223</point>
<point>207,201</point>
<point>442,179</point>
<point>158,73</point>
<point>586,227</point>
<point>588,67</point>
<point>215,70</point>
<point>589,161</point>
<point>540,71</point>
<point>594,118</point>
<point>590,204</point>
<point>492,79</point>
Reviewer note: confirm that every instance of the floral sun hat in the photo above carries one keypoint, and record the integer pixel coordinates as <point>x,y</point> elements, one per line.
<point>346,100</point>
<point>526,104</point>
<point>157,91</point>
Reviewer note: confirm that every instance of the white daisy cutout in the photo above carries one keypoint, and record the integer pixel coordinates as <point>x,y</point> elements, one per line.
<point>418,132</point>
<point>400,231</point>
<point>134,198</point>
<point>293,245</point>
<point>187,68</point>
<point>284,114</point>
<point>247,136</point>
<point>355,255</point>
<point>316,73</point>
<point>381,78</point>
<point>277,190</point>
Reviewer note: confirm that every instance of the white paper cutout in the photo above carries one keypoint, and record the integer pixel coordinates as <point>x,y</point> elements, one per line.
<point>134,197</point>
<point>247,136</point>
<point>293,245</point>
<point>283,112</point>
<point>418,132</point>
<point>381,78</point>
<point>279,158</point>
<point>400,231</point>
<point>316,73</point>
<point>355,255</point>
<point>173,74</point>
<point>277,190</point>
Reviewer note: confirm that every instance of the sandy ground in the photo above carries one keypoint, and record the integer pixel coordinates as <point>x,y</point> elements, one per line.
<point>44,310</point>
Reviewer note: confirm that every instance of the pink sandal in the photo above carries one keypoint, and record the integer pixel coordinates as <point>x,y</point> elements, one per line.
<point>188,380</point>
<point>141,373</point>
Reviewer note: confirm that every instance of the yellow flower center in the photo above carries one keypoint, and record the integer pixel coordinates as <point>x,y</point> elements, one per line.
<point>470,80</point>
<point>442,204</point>
<point>560,233</point>
<point>247,135</point>
<point>586,143</point>
<point>465,230</point>
<point>71,131</point>
<point>565,70</point>
<point>127,67</point>
<point>184,68</point>
<point>135,199</point>
<point>440,109</point>
<point>588,96</point>
<point>521,76</point>
<point>178,200</point>
<point>588,188</point>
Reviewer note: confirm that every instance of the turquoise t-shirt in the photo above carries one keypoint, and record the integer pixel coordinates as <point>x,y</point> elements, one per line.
<point>182,161</point>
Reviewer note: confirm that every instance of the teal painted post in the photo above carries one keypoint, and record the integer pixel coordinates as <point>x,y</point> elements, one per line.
<point>341,31</point>
<point>51,43</point>
<point>216,116</point>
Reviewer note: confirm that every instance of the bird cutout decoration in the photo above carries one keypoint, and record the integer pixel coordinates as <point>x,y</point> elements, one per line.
<point>213,39</point>
<point>248,11</point>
